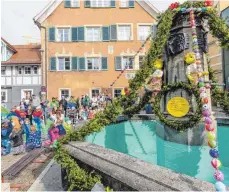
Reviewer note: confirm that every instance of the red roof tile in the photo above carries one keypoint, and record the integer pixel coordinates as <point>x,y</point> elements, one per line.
<point>26,54</point>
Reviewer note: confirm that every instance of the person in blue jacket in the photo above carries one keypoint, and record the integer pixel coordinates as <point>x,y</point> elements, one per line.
<point>6,129</point>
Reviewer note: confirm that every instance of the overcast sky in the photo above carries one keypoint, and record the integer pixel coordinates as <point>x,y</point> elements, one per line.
<point>17,18</point>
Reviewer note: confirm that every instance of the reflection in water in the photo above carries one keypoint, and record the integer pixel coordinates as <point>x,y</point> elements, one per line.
<point>138,139</point>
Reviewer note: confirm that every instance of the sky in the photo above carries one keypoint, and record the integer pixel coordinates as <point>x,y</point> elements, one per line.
<point>17,19</point>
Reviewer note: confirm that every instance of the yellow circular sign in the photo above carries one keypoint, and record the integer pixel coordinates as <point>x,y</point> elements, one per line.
<point>178,106</point>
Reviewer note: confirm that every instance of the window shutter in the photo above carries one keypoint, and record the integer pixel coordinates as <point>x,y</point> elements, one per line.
<point>52,64</point>
<point>104,64</point>
<point>131,3</point>
<point>67,3</point>
<point>51,33</point>
<point>118,63</point>
<point>74,34</point>
<point>80,33</point>
<point>87,3</point>
<point>74,63</point>
<point>113,32</point>
<point>82,64</point>
<point>112,3</point>
<point>154,30</point>
<point>105,33</point>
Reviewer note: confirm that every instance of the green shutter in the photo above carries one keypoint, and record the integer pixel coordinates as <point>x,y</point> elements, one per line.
<point>67,3</point>
<point>51,33</point>
<point>118,63</point>
<point>87,3</point>
<point>82,64</point>
<point>74,63</point>
<point>104,64</point>
<point>112,3</point>
<point>52,65</point>
<point>80,33</point>
<point>74,34</point>
<point>154,30</point>
<point>131,3</point>
<point>113,32</point>
<point>106,34</point>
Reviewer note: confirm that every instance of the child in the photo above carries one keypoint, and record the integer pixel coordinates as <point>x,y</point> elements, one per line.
<point>60,126</point>
<point>6,130</point>
<point>26,127</point>
<point>34,140</point>
<point>54,133</point>
<point>17,141</point>
<point>90,114</point>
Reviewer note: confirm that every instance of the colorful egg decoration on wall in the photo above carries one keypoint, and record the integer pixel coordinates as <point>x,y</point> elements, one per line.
<point>214,153</point>
<point>212,143</point>
<point>216,163</point>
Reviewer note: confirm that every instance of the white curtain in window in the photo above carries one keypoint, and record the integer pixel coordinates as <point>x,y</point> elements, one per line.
<point>124,32</point>
<point>144,32</point>
<point>61,64</point>
<point>75,3</point>
<point>93,34</point>
<point>100,3</point>
<point>123,3</point>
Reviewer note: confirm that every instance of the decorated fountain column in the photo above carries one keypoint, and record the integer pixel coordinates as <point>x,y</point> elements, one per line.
<point>185,60</point>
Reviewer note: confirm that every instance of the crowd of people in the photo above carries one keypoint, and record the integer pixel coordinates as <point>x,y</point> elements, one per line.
<point>34,123</point>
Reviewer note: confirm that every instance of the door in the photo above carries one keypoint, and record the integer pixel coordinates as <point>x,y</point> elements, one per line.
<point>26,94</point>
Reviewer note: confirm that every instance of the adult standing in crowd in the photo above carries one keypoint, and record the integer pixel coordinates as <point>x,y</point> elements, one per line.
<point>86,100</point>
<point>64,104</point>
<point>35,101</point>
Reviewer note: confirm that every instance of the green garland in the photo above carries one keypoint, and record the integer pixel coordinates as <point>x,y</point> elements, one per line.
<point>218,96</point>
<point>177,124</point>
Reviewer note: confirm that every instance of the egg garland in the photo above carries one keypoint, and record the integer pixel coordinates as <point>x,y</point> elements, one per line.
<point>206,113</point>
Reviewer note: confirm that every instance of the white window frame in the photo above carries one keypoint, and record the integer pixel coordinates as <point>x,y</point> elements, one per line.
<point>115,88</point>
<point>144,24</point>
<point>64,63</point>
<point>5,91</point>
<point>94,88</point>
<point>60,89</point>
<point>62,28</point>
<point>131,31</point>
<point>133,62</point>
<point>22,70</point>
<point>72,3</point>
<point>92,26</point>
<point>22,92</point>
<point>3,67</point>
<point>103,3</point>
<point>100,64</point>
<point>30,70</point>
<point>127,3</point>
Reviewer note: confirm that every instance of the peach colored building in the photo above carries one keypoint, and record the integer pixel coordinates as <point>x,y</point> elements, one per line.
<point>86,44</point>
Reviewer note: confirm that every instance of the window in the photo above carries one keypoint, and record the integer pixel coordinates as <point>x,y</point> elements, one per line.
<point>19,70</point>
<point>141,59</point>
<point>128,62</point>
<point>27,70</point>
<point>124,32</point>
<point>93,64</point>
<point>3,95</point>
<point>35,70</point>
<point>95,92</point>
<point>26,93</point>
<point>65,93</point>
<point>93,33</point>
<point>143,32</point>
<point>3,70</point>
<point>100,3</point>
<point>123,3</point>
<point>64,64</point>
<point>63,34</point>
<point>75,3</point>
<point>117,92</point>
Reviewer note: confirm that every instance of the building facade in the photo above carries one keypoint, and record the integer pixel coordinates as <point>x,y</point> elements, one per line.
<point>86,44</point>
<point>218,60</point>
<point>20,74</point>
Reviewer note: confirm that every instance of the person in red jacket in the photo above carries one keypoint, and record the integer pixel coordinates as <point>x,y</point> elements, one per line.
<point>38,112</point>
<point>20,112</point>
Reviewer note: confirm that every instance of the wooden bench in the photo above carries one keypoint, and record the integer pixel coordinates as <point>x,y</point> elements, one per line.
<point>14,169</point>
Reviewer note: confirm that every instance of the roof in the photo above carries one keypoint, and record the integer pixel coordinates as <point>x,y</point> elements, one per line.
<point>26,54</point>
<point>53,4</point>
<point>9,45</point>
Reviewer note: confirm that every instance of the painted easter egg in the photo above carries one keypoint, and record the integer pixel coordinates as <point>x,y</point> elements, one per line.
<point>214,153</point>
<point>220,186</point>
<point>219,176</point>
<point>211,135</point>
<point>199,9</point>
<point>201,84</point>
<point>208,86</point>
<point>183,9</point>
<point>201,79</point>
<point>205,100</point>
<point>216,163</point>
<point>206,113</point>
<point>207,120</point>
<point>198,62</point>
<point>208,127</point>
<point>203,95</point>
<point>212,143</point>
<point>204,9</point>
<point>205,107</point>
